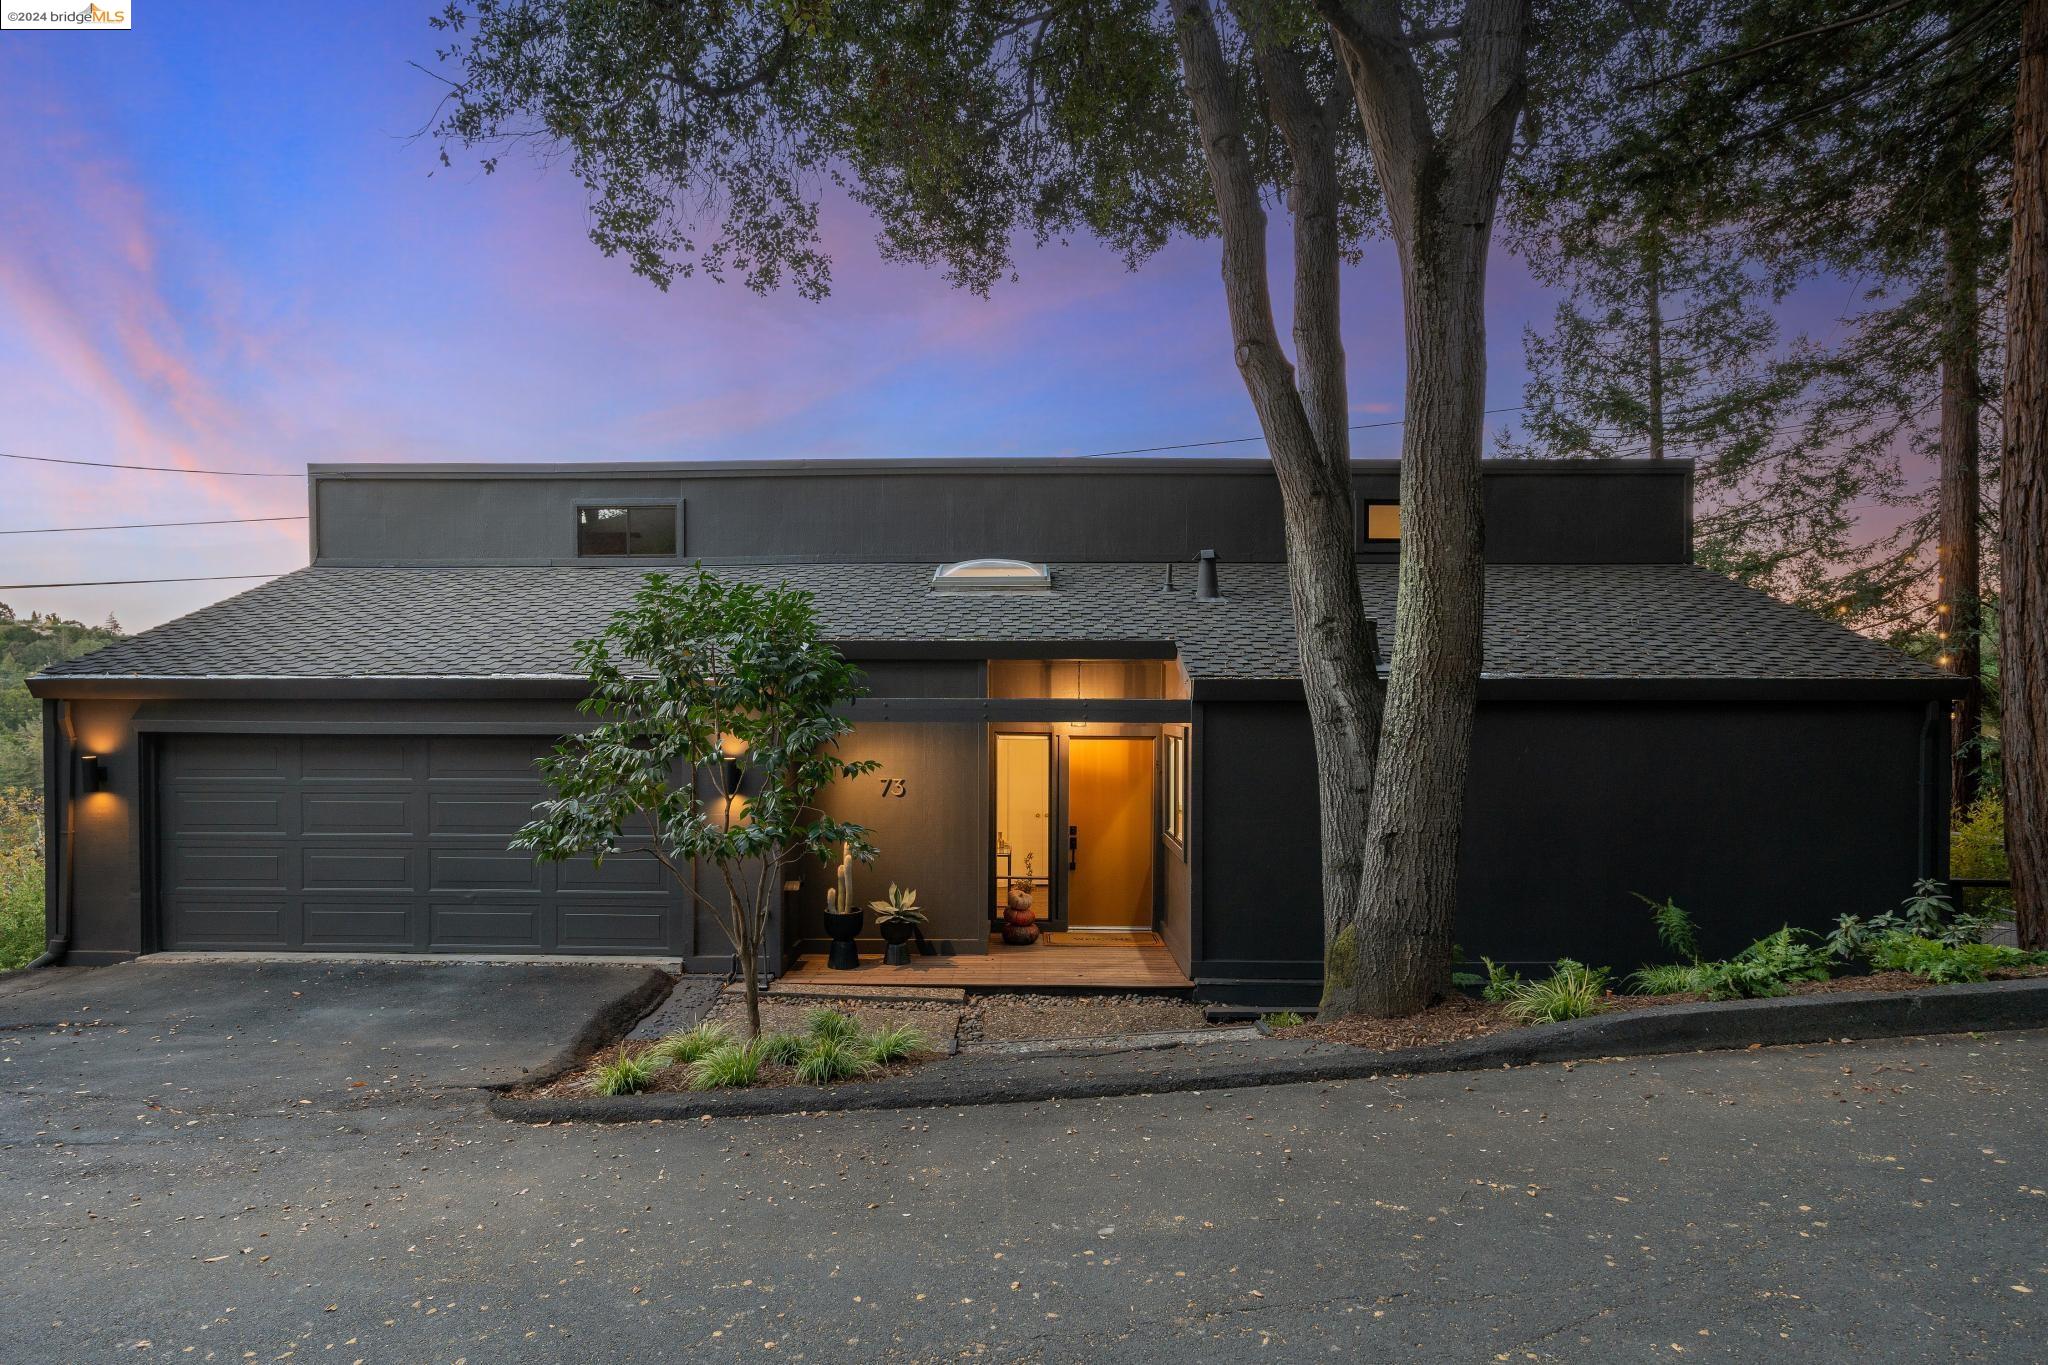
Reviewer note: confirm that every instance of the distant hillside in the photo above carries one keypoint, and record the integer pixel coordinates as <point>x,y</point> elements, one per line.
<point>28,643</point>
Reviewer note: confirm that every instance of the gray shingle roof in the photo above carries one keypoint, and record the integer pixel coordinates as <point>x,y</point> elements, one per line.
<point>1664,621</point>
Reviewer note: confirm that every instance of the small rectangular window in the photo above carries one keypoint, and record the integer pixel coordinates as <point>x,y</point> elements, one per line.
<point>1383,523</point>
<point>638,530</point>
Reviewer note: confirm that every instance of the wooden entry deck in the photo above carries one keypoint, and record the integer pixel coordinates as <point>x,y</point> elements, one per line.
<point>1132,962</point>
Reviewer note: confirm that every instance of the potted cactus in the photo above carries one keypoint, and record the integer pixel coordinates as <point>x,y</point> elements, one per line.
<point>897,919</point>
<point>843,918</point>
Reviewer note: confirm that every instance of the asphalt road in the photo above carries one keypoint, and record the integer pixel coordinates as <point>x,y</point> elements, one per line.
<point>208,1167</point>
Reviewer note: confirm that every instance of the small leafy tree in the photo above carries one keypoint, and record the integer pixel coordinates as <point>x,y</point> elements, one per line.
<point>717,702</point>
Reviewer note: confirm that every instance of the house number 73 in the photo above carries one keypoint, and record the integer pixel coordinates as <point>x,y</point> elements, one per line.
<point>894,786</point>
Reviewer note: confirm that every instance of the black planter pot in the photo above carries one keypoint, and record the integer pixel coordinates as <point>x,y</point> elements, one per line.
<point>895,931</point>
<point>844,927</point>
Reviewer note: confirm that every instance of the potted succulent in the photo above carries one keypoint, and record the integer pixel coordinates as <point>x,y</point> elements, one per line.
<point>843,918</point>
<point>897,919</point>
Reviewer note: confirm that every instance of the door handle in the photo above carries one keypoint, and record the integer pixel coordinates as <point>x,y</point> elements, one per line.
<point>1073,845</point>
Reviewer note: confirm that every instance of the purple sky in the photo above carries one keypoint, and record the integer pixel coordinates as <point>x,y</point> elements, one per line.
<point>220,248</point>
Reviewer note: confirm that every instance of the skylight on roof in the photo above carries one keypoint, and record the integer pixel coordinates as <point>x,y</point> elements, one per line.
<point>992,575</point>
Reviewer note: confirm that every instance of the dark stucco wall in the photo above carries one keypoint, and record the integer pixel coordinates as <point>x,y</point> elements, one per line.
<point>1118,511</point>
<point>1750,815</point>
<point>933,837</point>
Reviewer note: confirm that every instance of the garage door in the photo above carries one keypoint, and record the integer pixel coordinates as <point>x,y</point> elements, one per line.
<point>382,843</point>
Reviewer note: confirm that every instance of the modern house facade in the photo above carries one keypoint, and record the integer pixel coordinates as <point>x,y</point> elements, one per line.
<point>1062,693</point>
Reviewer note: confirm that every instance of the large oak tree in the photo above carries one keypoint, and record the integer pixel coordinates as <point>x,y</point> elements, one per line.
<point>705,134</point>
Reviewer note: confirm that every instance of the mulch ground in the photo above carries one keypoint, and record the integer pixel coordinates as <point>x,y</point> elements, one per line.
<point>1461,1017</point>
<point>1447,1021</point>
<point>1022,1018</point>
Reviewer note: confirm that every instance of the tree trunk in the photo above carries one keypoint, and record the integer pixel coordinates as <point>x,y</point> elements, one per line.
<point>1441,192</point>
<point>1304,426</point>
<point>2023,505</point>
<point>1957,608</point>
<point>1396,957</point>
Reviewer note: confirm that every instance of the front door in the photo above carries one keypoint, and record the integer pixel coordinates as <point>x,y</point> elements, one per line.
<point>1110,839</point>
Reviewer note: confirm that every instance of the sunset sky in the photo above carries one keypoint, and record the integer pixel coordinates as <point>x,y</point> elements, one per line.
<point>221,246</point>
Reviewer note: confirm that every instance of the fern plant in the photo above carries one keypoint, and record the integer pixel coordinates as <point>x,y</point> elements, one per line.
<point>1675,928</point>
<point>1501,984</point>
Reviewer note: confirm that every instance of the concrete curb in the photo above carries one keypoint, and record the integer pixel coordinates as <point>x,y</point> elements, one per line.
<point>1733,1024</point>
<point>612,1020</point>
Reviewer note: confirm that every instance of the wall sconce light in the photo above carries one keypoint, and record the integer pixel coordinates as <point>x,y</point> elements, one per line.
<point>731,749</point>
<point>92,773</point>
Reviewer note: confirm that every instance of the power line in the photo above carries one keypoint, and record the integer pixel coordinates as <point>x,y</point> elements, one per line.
<point>268,474</point>
<point>144,525</point>
<point>1244,440</point>
<point>153,468</point>
<point>124,582</point>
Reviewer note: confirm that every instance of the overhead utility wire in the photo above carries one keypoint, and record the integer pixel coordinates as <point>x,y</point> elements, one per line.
<point>269,474</point>
<point>1243,440</point>
<point>154,468</point>
<point>143,525</point>
<point>124,582</point>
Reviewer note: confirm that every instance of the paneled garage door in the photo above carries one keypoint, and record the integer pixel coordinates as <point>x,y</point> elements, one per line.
<point>385,844</point>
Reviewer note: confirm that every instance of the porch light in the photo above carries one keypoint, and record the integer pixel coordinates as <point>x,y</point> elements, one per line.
<point>992,575</point>
<point>92,773</point>
<point>732,747</point>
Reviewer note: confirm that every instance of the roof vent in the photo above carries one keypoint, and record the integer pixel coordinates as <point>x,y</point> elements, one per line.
<point>1205,578</point>
<point>992,575</point>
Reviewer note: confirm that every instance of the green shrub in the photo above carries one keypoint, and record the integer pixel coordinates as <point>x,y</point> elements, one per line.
<point>1976,850</point>
<point>1947,962</point>
<point>689,1046</point>
<point>1572,991</point>
<point>21,877</point>
<point>829,1023</point>
<point>1283,1019</point>
<point>894,1043</point>
<point>624,1074</point>
<point>782,1048</point>
<point>827,1059</point>
<point>1927,913</point>
<point>727,1066</point>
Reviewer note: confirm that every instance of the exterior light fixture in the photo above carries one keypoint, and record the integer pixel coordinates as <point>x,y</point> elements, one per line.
<point>92,773</point>
<point>731,749</point>
<point>1944,661</point>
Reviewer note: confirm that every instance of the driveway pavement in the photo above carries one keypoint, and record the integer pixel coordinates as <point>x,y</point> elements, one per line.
<point>1885,1200</point>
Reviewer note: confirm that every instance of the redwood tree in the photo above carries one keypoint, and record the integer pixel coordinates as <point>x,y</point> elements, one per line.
<point>2023,520</point>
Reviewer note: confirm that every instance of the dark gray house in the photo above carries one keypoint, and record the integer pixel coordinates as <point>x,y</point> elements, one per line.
<point>333,761</point>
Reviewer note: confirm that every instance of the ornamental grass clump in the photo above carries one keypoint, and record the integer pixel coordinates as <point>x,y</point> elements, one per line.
<point>830,1023</point>
<point>1572,991</point>
<point>893,1044</point>
<point>624,1074</point>
<point>781,1048</point>
<point>828,1059</point>
<point>691,1045</point>
<point>726,1067</point>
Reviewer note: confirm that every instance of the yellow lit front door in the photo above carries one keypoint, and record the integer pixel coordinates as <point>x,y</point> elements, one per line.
<point>1110,836</point>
